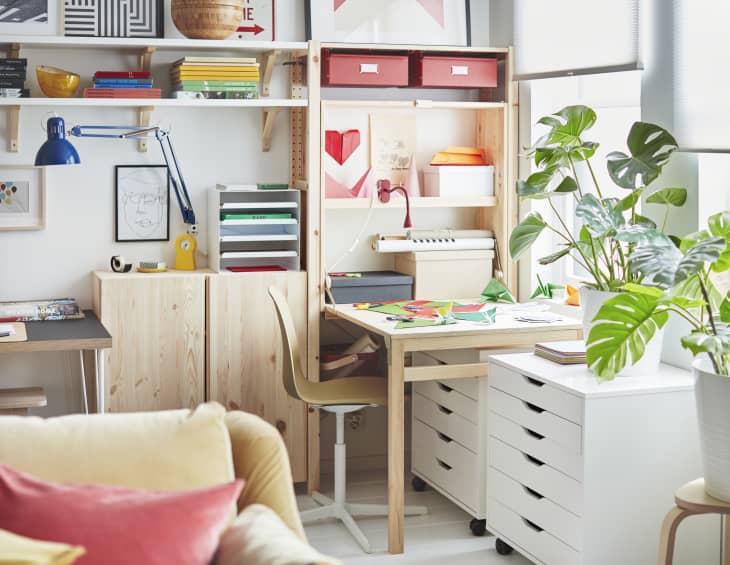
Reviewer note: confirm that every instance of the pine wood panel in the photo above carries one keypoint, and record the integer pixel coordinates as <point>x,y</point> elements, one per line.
<point>157,361</point>
<point>245,353</point>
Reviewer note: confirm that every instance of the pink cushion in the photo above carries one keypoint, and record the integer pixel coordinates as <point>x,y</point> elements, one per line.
<point>118,526</point>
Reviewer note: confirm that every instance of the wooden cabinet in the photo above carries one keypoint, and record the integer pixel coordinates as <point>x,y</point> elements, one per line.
<point>158,322</point>
<point>245,352</point>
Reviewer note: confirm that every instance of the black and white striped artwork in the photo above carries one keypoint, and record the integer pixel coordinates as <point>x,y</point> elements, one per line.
<point>113,18</point>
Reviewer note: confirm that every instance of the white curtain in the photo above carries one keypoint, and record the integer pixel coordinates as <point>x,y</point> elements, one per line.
<point>702,74</point>
<point>569,37</point>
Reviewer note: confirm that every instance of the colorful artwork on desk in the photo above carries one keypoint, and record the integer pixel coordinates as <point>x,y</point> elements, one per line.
<point>425,22</point>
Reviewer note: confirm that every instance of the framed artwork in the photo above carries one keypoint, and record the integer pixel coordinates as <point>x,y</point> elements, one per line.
<point>142,203</point>
<point>113,18</point>
<point>418,22</point>
<point>22,197</point>
<point>29,17</point>
<point>258,22</point>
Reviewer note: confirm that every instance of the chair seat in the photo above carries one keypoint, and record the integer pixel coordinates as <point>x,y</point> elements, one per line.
<point>348,390</point>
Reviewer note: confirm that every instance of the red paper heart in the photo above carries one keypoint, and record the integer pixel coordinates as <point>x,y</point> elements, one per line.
<point>341,145</point>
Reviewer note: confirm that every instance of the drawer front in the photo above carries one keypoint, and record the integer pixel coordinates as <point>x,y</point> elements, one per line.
<point>447,422</point>
<point>533,473</point>
<point>454,72</point>
<point>355,69</point>
<point>469,386</point>
<point>537,446</point>
<point>506,523</point>
<point>536,392</point>
<point>447,465</point>
<point>441,392</point>
<point>532,505</point>
<point>557,429</point>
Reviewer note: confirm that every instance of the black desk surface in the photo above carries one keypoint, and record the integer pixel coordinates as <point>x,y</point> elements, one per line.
<point>63,335</point>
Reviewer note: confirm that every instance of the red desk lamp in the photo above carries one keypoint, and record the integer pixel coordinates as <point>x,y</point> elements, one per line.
<point>384,190</point>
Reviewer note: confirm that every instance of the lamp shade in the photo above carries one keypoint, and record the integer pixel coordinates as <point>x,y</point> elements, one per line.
<point>57,150</point>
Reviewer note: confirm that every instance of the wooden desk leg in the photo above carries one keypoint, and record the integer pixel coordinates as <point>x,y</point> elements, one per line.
<point>396,436</point>
<point>668,534</point>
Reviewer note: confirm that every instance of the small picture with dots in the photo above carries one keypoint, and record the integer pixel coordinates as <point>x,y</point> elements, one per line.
<point>14,196</point>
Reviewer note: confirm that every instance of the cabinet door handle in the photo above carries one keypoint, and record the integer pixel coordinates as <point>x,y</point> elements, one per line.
<point>533,493</point>
<point>462,70</point>
<point>445,388</point>
<point>533,407</point>
<point>444,465</point>
<point>533,382</point>
<point>444,410</point>
<point>444,437</point>
<point>533,434</point>
<point>531,525</point>
<point>533,460</point>
<point>368,68</point>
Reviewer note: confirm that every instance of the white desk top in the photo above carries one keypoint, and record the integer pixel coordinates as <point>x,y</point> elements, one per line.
<point>578,380</point>
<point>505,323</point>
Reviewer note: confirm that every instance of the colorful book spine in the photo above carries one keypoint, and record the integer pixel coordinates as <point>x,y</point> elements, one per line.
<point>185,87</point>
<point>12,74</point>
<point>120,80</point>
<point>122,93</point>
<point>214,95</point>
<point>119,85</point>
<point>122,74</point>
<point>215,84</point>
<point>256,216</point>
<point>12,83</point>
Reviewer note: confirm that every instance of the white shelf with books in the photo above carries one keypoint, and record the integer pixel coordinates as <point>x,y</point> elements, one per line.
<point>254,230</point>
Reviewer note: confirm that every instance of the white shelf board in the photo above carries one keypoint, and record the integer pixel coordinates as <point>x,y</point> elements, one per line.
<point>155,102</point>
<point>250,238</point>
<point>421,202</point>
<point>417,104</point>
<point>257,205</point>
<point>256,254</point>
<point>266,222</point>
<point>170,44</point>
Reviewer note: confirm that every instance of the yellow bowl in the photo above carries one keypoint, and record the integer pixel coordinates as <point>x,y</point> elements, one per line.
<point>57,83</point>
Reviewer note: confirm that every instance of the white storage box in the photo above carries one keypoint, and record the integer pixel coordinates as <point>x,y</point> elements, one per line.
<point>458,181</point>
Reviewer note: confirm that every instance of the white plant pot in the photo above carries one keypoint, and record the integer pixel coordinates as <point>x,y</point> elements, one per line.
<point>712,393</point>
<point>591,301</point>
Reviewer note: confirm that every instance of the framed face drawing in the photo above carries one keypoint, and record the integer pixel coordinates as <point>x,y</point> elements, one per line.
<point>142,203</point>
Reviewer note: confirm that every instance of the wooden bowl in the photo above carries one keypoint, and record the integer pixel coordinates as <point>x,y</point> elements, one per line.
<point>57,83</point>
<point>207,19</point>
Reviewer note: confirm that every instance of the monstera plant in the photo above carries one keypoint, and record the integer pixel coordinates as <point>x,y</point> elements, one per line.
<point>610,227</point>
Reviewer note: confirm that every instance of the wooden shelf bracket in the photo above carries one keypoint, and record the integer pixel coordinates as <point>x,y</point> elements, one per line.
<point>12,129</point>
<point>269,117</point>
<point>143,120</point>
<point>145,59</point>
<point>268,69</point>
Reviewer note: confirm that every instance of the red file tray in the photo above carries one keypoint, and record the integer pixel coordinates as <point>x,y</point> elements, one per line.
<point>363,69</point>
<point>453,72</point>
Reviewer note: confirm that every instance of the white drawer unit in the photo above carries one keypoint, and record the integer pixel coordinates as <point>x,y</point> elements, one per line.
<point>449,441</point>
<point>582,472</point>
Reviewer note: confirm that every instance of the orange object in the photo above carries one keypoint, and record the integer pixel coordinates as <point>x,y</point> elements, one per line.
<point>456,155</point>
<point>57,83</point>
<point>572,296</point>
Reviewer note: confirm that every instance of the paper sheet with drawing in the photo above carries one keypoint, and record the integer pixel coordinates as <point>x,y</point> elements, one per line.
<point>392,143</point>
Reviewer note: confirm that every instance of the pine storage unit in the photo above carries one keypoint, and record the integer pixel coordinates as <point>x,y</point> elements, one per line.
<point>254,228</point>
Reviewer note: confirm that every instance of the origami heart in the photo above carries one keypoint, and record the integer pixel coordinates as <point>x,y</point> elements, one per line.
<point>341,145</point>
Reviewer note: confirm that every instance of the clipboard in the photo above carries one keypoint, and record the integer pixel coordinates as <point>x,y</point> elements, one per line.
<point>19,335</point>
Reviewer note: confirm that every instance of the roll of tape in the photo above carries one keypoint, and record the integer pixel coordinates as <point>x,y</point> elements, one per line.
<point>119,265</point>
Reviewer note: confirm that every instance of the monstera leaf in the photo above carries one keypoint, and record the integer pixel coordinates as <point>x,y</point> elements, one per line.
<point>637,233</point>
<point>700,342</point>
<point>705,251</point>
<point>625,324</point>
<point>725,309</point>
<point>566,128</point>
<point>525,234</point>
<point>555,256</point>
<point>535,187</point>
<point>668,197</point>
<point>631,200</point>
<point>719,225</point>
<point>656,259</point>
<point>601,218</point>
<point>650,147</point>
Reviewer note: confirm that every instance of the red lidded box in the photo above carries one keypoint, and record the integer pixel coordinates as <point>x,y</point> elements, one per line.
<point>453,72</point>
<point>363,69</point>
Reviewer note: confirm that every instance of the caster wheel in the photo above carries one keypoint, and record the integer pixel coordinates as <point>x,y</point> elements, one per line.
<point>418,484</point>
<point>478,527</point>
<point>502,548</point>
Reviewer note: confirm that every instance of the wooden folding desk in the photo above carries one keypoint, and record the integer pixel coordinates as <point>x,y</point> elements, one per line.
<point>87,334</point>
<point>506,332</point>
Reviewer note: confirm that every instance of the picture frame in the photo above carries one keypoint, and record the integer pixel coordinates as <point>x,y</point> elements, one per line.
<point>398,22</point>
<point>29,17</point>
<point>114,18</point>
<point>141,203</point>
<point>22,198</point>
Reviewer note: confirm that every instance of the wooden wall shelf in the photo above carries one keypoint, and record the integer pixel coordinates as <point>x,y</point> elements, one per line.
<point>399,203</point>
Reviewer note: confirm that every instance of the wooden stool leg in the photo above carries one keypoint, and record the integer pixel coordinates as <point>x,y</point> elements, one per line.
<point>668,534</point>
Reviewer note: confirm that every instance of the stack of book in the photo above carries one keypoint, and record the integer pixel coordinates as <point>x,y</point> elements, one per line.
<point>122,84</point>
<point>563,352</point>
<point>215,77</point>
<point>12,78</point>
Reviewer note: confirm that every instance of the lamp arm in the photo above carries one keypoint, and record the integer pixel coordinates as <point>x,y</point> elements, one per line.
<point>168,153</point>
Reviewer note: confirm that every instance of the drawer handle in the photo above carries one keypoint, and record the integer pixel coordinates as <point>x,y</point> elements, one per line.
<point>533,493</point>
<point>534,407</point>
<point>368,68</point>
<point>532,525</point>
<point>533,434</point>
<point>444,410</point>
<point>445,388</point>
<point>533,382</point>
<point>444,437</point>
<point>444,465</point>
<point>533,460</point>
<point>462,70</point>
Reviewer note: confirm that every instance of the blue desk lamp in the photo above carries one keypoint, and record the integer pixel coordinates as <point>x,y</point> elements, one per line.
<point>57,150</point>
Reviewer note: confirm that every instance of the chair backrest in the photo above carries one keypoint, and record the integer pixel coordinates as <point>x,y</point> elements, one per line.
<point>292,374</point>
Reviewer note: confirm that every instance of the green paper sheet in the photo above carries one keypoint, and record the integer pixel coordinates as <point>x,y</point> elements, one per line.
<point>497,292</point>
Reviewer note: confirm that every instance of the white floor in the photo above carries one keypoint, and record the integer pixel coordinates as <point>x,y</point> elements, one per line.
<point>441,537</point>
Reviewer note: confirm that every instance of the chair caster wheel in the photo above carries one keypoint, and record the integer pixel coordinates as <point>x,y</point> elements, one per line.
<point>418,484</point>
<point>478,527</point>
<point>502,548</point>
